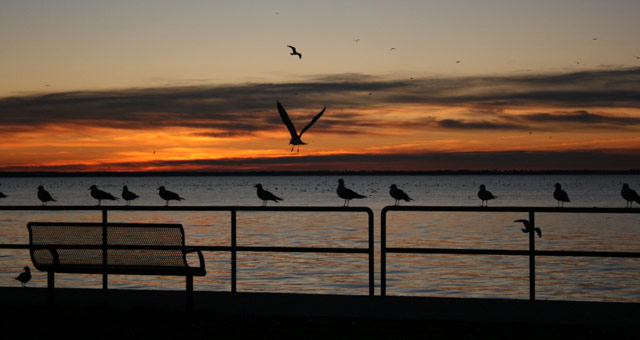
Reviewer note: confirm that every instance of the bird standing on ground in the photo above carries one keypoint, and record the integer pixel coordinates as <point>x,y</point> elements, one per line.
<point>24,277</point>
<point>629,195</point>
<point>527,227</point>
<point>128,196</point>
<point>560,195</point>
<point>485,196</point>
<point>296,139</point>
<point>294,52</point>
<point>168,195</point>
<point>100,195</point>
<point>44,195</point>
<point>266,196</point>
<point>398,194</point>
<point>346,193</point>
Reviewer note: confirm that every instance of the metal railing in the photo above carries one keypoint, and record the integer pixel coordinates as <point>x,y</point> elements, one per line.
<point>531,252</point>
<point>234,248</point>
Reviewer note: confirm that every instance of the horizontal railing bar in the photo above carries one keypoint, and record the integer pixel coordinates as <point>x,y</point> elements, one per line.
<point>182,208</point>
<point>467,251</point>
<point>202,248</point>
<point>512,209</point>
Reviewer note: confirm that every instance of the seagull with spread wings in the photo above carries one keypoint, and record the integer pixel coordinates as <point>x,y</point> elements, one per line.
<point>294,52</point>
<point>296,139</point>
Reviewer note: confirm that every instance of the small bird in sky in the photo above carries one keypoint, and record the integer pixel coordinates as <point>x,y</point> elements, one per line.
<point>457,61</point>
<point>296,139</point>
<point>356,40</point>
<point>44,195</point>
<point>629,195</point>
<point>392,49</point>
<point>560,195</point>
<point>637,57</point>
<point>128,196</point>
<point>266,196</point>
<point>398,194</point>
<point>347,194</point>
<point>168,195</point>
<point>485,196</point>
<point>295,52</point>
<point>100,195</point>
<point>527,227</point>
<point>24,277</point>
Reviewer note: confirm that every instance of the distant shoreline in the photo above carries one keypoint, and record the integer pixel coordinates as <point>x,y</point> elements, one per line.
<point>319,173</point>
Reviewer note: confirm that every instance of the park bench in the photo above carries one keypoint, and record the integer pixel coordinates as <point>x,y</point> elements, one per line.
<point>112,248</point>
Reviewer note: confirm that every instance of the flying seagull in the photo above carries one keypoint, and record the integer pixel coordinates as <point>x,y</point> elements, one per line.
<point>168,195</point>
<point>560,195</point>
<point>485,195</point>
<point>346,193</point>
<point>295,52</point>
<point>266,196</point>
<point>100,195</point>
<point>356,40</point>
<point>128,196</point>
<point>527,227</point>
<point>296,139</point>
<point>24,277</point>
<point>398,194</point>
<point>44,195</point>
<point>629,195</point>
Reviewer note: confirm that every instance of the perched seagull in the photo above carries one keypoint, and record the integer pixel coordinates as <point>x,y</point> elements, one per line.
<point>44,195</point>
<point>168,195</point>
<point>266,196</point>
<point>100,195</point>
<point>560,195</point>
<point>295,52</point>
<point>24,277</point>
<point>485,195</point>
<point>296,139</point>
<point>527,227</point>
<point>346,193</point>
<point>128,196</point>
<point>629,195</point>
<point>398,194</point>
<point>2,195</point>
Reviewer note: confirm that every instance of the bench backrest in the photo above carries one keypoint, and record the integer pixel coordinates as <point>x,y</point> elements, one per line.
<point>84,244</point>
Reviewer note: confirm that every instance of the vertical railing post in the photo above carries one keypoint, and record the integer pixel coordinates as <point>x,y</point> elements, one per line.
<point>383,252</point>
<point>371,255</point>
<point>532,257</point>
<point>105,282</point>
<point>233,251</point>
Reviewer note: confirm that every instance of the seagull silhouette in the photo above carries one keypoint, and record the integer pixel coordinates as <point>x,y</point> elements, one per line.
<point>398,194</point>
<point>2,195</point>
<point>485,195</point>
<point>100,195</point>
<point>527,227</point>
<point>128,196</point>
<point>168,195</point>
<point>629,195</point>
<point>44,195</point>
<point>295,52</point>
<point>346,193</point>
<point>560,195</point>
<point>24,277</point>
<point>296,139</point>
<point>266,196</point>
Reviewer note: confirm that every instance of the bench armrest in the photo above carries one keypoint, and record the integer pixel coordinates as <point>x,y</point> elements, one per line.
<point>52,251</point>
<point>200,256</point>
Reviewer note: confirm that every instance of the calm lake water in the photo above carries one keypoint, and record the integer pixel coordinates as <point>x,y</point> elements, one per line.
<point>600,279</point>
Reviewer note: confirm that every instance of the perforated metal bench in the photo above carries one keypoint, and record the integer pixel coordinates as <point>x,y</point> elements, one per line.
<point>112,248</point>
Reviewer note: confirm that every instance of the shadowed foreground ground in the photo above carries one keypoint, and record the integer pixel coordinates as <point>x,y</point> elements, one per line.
<point>92,314</point>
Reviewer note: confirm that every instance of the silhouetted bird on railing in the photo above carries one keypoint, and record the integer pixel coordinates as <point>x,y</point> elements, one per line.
<point>24,277</point>
<point>527,227</point>
<point>100,195</point>
<point>44,195</point>
<point>168,195</point>
<point>629,195</point>
<point>560,195</point>
<point>398,194</point>
<point>485,196</point>
<point>296,139</point>
<point>2,195</point>
<point>128,196</point>
<point>346,193</point>
<point>266,196</point>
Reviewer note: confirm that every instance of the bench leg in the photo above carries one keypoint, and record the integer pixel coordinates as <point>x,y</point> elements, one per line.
<point>189,293</point>
<point>51,285</point>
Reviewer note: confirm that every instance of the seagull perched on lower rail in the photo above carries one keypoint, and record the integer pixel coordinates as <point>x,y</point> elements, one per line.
<point>346,193</point>
<point>485,196</point>
<point>24,277</point>
<point>560,195</point>
<point>527,227</point>
<point>44,195</point>
<point>398,194</point>
<point>128,196</point>
<point>266,196</point>
<point>629,195</point>
<point>168,195</point>
<point>296,139</point>
<point>101,195</point>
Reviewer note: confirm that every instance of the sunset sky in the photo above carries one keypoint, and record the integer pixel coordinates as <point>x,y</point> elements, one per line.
<point>408,85</point>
